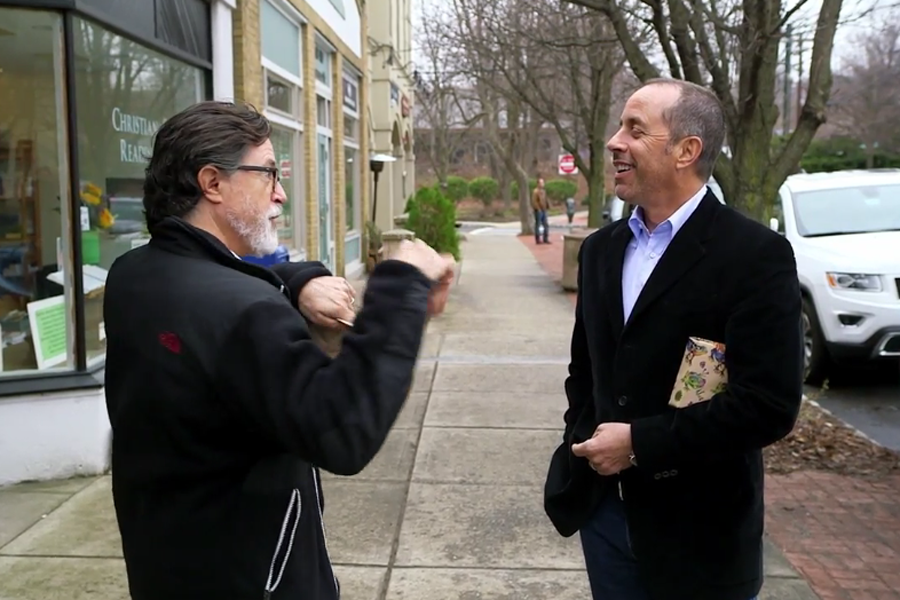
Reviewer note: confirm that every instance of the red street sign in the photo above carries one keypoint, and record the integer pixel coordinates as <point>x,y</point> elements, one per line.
<point>567,165</point>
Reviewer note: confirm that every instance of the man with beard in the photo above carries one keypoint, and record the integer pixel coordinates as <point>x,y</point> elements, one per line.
<point>222,407</point>
<point>668,498</point>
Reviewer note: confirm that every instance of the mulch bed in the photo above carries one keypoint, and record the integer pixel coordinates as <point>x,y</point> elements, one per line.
<point>822,442</point>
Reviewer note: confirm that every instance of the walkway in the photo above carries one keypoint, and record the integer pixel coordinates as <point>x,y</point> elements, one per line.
<point>451,508</point>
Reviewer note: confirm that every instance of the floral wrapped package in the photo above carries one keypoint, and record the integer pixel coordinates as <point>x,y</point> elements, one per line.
<point>702,374</point>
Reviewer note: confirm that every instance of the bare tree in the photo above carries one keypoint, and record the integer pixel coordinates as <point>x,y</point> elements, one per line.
<point>509,125</point>
<point>439,119</point>
<point>866,103</point>
<point>732,46</point>
<point>559,60</point>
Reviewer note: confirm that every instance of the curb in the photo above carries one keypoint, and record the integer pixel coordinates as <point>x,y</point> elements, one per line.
<point>853,428</point>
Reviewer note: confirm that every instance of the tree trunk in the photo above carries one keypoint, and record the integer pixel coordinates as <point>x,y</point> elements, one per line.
<point>503,180</point>
<point>596,181</point>
<point>526,216</point>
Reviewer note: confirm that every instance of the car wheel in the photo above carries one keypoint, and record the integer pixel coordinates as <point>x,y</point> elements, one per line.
<point>815,356</point>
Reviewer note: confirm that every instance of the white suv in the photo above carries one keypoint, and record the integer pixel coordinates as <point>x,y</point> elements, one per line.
<point>845,231</point>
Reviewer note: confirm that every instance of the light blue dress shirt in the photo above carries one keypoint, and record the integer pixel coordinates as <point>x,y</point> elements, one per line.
<point>646,248</point>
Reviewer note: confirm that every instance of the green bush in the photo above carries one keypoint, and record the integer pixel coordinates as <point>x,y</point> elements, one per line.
<point>432,217</point>
<point>560,189</point>
<point>514,188</point>
<point>485,189</point>
<point>457,188</point>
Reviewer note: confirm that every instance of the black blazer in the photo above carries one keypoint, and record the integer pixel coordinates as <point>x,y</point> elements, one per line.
<point>694,503</point>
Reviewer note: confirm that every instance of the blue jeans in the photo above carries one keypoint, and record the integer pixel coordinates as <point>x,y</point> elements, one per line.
<point>540,218</point>
<point>611,566</point>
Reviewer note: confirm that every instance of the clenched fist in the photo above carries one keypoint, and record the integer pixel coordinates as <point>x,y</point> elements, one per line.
<point>324,300</point>
<point>436,267</point>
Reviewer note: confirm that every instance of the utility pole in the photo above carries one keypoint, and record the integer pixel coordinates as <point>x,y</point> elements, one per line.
<point>786,115</point>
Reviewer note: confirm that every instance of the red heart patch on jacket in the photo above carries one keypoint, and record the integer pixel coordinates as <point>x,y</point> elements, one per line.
<point>170,342</point>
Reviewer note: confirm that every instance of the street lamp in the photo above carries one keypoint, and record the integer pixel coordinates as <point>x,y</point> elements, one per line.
<point>376,164</point>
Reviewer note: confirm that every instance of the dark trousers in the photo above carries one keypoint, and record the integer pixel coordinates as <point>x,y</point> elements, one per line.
<point>611,566</point>
<point>540,218</point>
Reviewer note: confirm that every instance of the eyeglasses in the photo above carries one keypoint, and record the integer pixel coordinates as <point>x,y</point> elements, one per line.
<point>274,173</point>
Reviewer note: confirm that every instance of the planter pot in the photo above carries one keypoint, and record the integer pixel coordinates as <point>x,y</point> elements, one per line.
<point>571,245</point>
<point>374,258</point>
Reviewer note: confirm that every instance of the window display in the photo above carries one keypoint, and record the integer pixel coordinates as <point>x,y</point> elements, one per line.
<point>36,328</point>
<point>124,92</point>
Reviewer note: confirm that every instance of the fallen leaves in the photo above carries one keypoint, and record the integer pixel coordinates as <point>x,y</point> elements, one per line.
<point>821,442</point>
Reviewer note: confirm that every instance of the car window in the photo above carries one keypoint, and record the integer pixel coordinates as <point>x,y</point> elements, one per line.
<point>860,209</point>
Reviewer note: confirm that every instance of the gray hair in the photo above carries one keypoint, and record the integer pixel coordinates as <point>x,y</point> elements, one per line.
<point>697,112</point>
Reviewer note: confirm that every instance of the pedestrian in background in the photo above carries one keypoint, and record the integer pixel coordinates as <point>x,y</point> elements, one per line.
<point>223,409</point>
<point>668,496</point>
<point>540,205</point>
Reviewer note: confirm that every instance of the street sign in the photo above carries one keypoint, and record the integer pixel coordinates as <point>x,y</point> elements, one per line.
<point>285,168</point>
<point>567,165</point>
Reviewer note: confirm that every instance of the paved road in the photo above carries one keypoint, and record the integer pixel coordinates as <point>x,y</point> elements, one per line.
<point>869,399</point>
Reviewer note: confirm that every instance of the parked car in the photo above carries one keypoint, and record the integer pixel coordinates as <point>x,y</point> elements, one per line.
<point>845,231</point>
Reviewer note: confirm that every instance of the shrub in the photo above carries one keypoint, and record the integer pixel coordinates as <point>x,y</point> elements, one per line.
<point>432,217</point>
<point>514,188</point>
<point>485,189</point>
<point>560,189</point>
<point>457,188</point>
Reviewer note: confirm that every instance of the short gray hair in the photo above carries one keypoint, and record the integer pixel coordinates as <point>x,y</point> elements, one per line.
<point>697,112</point>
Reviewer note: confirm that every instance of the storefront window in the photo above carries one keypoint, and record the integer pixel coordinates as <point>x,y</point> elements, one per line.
<point>283,142</point>
<point>36,302</point>
<point>124,92</point>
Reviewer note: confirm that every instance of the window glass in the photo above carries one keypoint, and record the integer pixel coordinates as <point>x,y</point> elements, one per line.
<point>839,211</point>
<point>124,92</point>
<point>351,128</point>
<point>323,66</point>
<point>323,112</point>
<point>326,250</point>
<point>351,196</point>
<point>339,7</point>
<point>36,302</point>
<point>283,143</point>
<point>280,38</point>
<point>279,95</point>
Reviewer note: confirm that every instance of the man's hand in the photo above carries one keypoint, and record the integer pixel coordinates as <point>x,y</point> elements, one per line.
<point>437,267</point>
<point>440,292</point>
<point>423,257</point>
<point>609,450</point>
<point>324,300</point>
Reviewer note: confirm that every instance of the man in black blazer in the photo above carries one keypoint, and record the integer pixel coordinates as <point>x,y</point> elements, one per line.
<point>669,502</point>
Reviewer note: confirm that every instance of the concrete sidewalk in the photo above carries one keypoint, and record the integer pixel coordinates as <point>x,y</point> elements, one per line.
<point>450,509</point>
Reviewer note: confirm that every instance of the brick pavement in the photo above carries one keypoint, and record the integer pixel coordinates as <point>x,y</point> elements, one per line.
<point>842,533</point>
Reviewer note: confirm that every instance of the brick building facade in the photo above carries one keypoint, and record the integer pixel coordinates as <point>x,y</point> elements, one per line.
<point>303,63</point>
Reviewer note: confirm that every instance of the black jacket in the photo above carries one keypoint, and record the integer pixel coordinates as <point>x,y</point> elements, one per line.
<point>222,408</point>
<point>694,503</point>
